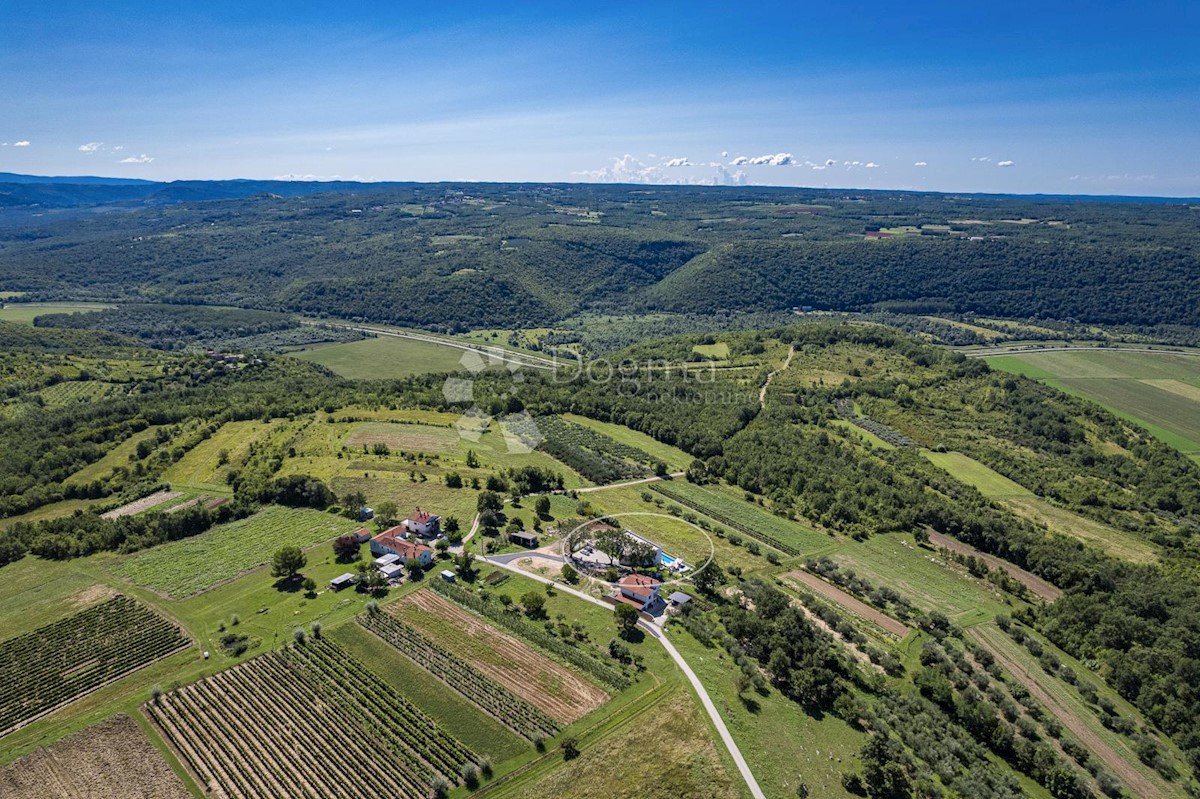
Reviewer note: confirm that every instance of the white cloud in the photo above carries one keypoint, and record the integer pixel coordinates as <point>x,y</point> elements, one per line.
<point>91,146</point>
<point>830,162</point>
<point>871,165</point>
<point>118,148</point>
<point>1004,163</point>
<point>678,162</point>
<point>630,169</point>
<point>22,143</point>
<point>984,158</point>
<point>921,163</point>
<point>724,154</point>
<point>778,159</point>
<point>311,178</point>
<point>136,159</point>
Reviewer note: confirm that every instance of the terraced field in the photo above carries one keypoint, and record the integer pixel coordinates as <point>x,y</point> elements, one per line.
<point>59,662</point>
<point>305,721</point>
<point>193,565</point>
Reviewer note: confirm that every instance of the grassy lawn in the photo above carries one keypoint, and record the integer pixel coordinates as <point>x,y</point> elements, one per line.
<point>865,436</point>
<point>974,473</point>
<point>55,510</point>
<point>675,536</point>
<point>479,731</point>
<point>117,456</point>
<point>783,745</point>
<point>383,357</point>
<point>720,350</point>
<point>676,459</point>
<point>193,565</point>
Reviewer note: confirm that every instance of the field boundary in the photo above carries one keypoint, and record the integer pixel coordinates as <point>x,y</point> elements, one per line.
<point>850,603</point>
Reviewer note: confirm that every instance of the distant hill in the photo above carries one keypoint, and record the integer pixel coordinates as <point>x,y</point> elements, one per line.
<point>453,256</point>
<point>83,180</point>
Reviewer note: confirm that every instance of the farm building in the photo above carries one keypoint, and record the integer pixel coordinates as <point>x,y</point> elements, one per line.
<point>342,581</point>
<point>640,590</point>
<point>524,539</point>
<point>448,576</point>
<point>389,559</point>
<point>423,523</point>
<point>366,514</point>
<point>362,534</point>
<point>678,599</point>
<point>393,542</point>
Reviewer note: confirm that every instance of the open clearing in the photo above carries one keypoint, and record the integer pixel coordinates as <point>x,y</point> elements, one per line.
<point>1113,541</point>
<point>1160,391</point>
<point>667,751</point>
<point>192,565</point>
<point>970,471</point>
<point>113,759</point>
<point>860,609</point>
<point>1034,583</point>
<point>25,312</point>
<point>404,437</point>
<point>384,357</point>
<point>1036,681</point>
<point>201,465</point>
<point>545,684</point>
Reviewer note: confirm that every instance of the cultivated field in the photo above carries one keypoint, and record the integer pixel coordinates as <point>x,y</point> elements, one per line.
<point>201,465</point>
<point>52,665</point>
<point>676,459</point>
<point>1035,584</point>
<point>506,706</point>
<point>860,609</point>
<point>305,721</point>
<point>384,357</point>
<point>192,565</point>
<point>139,505</point>
<point>1158,390</point>
<point>26,311</point>
<point>111,760</point>
<point>545,684</point>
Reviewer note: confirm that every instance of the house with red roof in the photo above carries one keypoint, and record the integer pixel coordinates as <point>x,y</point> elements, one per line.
<point>395,541</point>
<point>423,523</point>
<point>639,590</point>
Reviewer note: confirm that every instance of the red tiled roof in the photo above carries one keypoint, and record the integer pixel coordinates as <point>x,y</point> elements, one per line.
<point>639,585</point>
<point>421,516</point>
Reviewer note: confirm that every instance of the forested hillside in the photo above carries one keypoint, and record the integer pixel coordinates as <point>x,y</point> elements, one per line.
<point>459,256</point>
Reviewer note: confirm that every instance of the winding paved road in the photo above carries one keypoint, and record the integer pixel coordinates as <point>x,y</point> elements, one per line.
<point>697,686</point>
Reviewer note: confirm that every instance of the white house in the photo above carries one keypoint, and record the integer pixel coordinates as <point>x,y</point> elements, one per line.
<point>423,523</point>
<point>639,589</point>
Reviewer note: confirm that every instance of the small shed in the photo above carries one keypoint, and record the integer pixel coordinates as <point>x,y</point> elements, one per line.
<point>342,581</point>
<point>366,514</point>
<point>448,576</point>
<point>524,539</point>
<point>392,571</point>
<point>383,561</point>
<point>362,535</point>
<point>679,599</point>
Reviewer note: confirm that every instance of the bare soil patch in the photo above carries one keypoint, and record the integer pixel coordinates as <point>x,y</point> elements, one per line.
<point>113,759</point>
<point>91,595</point>
<point>139,505</point>
<point>858,608</point>
<point>1034,583</point>
<point>547,685</point>
<point>1134,779</point>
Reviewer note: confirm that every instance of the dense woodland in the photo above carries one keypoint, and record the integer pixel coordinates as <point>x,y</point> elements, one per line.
<point>457,256</point>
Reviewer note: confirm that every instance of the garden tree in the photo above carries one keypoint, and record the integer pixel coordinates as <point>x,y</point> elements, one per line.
<point>414,568</point>
<point>626,618</point>
<point>386,514</point>
<point>465,567</point>
<point>514,526</point>
<point>708,578</point>
<point>454,480</point>
<point>570,574</point>
<point>570,748</point>
<point>542,507</point>
<point>472,459</point>
<point>442,546</point>
<point>346,548</point>
<point>310,586</point>
<point>883,768</point>
<point>490,521</point>
<point>353,503</point>
<point>638,553</point>
<point>611,541</point>
<point>489,501</point>
<point>660,469</point>
<point>697,472</point>
<point>533,603</point>
<point>287,562</point>
<point>451,527</point>
<point>374,582</point>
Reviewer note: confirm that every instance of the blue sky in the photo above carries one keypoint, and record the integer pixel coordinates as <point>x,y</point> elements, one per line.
<point>1060,97</point>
